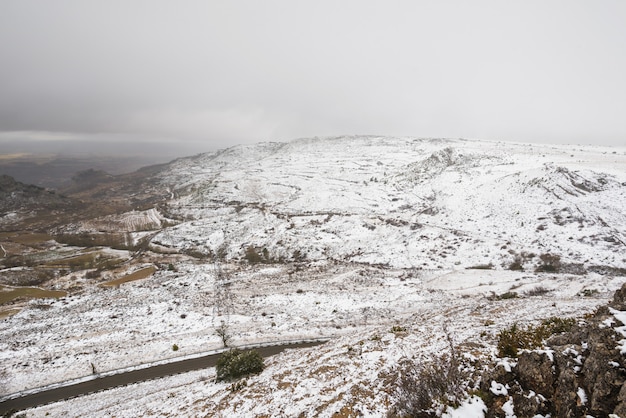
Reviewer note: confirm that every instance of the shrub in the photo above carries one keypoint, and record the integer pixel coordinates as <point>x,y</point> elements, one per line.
<point>237,386</point>
<point>298,256</point>
<point>398,328</point>
<point>424,388</point>
<point>589,292</point>
<point>92,274</point>
<point>174,347</point>
<point>550,263</point>
<point>253,256</point>
<point>516,338</point>
<point>505,295</point>
<point>517,264</point>
<point>235,363</point>
<point>512,339</point>
<point>556,325</point>
<point>481,267</point>
<point>537,291</point>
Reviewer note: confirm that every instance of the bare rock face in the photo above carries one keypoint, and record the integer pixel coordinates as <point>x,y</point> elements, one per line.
<point>535,372</point>
<point>581,373</point>
<point>601,377</point>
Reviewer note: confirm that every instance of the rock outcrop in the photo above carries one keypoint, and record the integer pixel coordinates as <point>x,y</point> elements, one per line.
<point>579,373</point>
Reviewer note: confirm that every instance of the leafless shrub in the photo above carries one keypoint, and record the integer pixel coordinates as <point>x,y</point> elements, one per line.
<point>488,266</point>
<point>550,263</point>
<point>517,264</point>
<point>424,388</point>
<point>223,332</point>
<point>537,291</point>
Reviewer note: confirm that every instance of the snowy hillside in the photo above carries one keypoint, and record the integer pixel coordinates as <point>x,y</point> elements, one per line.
<point>388,247</point>
<point>403,202</point>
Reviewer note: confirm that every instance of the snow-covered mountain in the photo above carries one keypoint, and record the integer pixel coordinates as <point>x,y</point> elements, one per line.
<point>402,202</point>
<point>389,247</point>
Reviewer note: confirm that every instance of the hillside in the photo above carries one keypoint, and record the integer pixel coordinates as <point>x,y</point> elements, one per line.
<point>403,203</point>
<point>392,248</point>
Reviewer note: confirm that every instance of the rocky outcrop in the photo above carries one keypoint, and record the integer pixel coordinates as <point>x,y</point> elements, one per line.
<point>579,373</point>
<point>16,196</point>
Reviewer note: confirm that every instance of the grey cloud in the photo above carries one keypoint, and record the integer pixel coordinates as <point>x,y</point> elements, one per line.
<point>245,71</point>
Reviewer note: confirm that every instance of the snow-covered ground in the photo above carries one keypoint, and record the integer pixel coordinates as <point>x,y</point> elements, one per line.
<point>356,306</point>
<point>403,202</point>
<point>386,231</point>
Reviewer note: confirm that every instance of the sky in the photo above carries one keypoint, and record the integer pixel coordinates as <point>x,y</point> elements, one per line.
<point>202,75</point>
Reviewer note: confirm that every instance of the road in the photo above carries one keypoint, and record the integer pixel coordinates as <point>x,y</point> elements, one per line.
<point>127,378</point>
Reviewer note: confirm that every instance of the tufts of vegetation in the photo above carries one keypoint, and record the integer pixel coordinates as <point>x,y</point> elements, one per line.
<point>175,347</point>
<point>519,260</point>
<point>424,389</point>
<point>503,296</point>
<point>299,256</point>
<point>397,328</point>
<point>236,363</point>
<point>481,267</point>
<point>516,338</point>
<point>550,263</point>
<point>537,291</point>
<point>556,325</point>
<point>589,293</point>
<point>237,386</point>
<point>517,264</point>
<point>253,256</point>
<point>508,295</point>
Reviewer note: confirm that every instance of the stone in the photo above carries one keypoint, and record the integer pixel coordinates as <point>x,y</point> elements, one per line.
<point>535,370</point>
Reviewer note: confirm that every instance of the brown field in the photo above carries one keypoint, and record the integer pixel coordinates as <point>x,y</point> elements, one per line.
<point>8,294</point>
<point>137,275</point>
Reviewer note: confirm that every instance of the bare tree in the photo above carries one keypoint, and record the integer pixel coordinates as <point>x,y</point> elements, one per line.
<point>223,333</point>
<point>222,303</point>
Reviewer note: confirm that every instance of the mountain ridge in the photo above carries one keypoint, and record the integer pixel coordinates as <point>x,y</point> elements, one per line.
<point>345,178</point>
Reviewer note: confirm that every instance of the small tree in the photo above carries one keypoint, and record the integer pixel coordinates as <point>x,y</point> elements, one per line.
<point>235,363</point>
<point>222,332</point>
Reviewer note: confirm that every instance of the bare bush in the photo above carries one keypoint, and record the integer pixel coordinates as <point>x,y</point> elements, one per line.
<point>550,263</point>
<point>425,388</point>
<point>537,291</point>
<point>223,303</point>
<point>517,264</point>
<point>223,332</point>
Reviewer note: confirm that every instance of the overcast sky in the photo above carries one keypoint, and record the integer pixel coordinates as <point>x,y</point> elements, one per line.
<point>218,73</point>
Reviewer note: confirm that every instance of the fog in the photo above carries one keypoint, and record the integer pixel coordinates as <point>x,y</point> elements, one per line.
<point>194,76</point>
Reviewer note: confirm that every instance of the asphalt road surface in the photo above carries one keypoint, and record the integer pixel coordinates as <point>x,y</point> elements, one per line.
<point>127,378</point>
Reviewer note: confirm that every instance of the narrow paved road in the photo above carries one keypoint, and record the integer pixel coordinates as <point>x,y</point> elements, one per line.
<point>127,378</point>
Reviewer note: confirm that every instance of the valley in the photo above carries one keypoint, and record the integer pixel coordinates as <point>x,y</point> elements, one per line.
<point>385,246</point>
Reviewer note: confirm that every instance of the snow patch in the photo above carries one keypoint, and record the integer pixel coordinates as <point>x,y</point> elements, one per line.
<point>473,407</point>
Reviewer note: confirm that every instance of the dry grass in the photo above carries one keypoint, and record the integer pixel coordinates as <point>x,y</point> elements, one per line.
<point>137,275</point>
<point>8,312</point>
<point>8,294</point>
<point>31,238</point>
